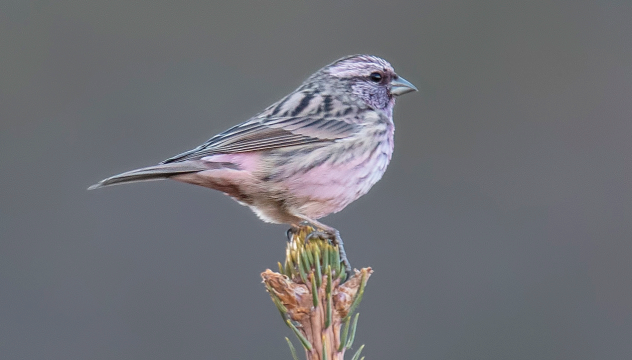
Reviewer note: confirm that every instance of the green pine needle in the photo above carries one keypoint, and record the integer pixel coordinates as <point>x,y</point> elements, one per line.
<point>343,275</point>
<point>302,271</point>
<point>356,356</point>
<point>343,336</point>
<point>329,280</point>
<point>276,301</point>
<point>358,296</point>
<point>306,261</point>
<point>306,344</point>
<point>325,257</point>
<point>309,251</point>
<point>352,331</point>
<point>336,261</point>
<point>292,349</point>
<point>319,275</point>
<point>314,291</point>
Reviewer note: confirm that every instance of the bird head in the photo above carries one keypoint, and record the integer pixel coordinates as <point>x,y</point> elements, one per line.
<point>370,78</point>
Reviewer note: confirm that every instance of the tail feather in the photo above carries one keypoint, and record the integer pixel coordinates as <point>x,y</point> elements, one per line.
<point>158,172</point>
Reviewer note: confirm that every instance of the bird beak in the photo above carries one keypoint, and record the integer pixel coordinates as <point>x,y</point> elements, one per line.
<point>401,86</point>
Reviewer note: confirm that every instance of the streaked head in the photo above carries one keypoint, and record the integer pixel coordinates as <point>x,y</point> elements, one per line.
<point>371,78</point>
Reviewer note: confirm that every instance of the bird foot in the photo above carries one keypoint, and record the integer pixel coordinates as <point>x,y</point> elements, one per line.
<point>335,239</point>
<point>332,236</point>
<point>294,229</point>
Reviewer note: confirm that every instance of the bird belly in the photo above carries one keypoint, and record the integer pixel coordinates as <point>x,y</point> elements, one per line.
<point>332,184</point>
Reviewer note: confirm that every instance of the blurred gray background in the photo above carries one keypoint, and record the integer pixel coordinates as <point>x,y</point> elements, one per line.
<point>501,230</point>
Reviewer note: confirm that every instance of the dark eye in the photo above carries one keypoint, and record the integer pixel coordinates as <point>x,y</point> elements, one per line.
<point>376,77</point>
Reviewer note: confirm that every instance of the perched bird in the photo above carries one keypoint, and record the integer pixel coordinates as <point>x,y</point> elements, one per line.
<point>304,157</point>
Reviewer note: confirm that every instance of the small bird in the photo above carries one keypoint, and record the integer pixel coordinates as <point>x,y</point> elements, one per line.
<point>304,157</point>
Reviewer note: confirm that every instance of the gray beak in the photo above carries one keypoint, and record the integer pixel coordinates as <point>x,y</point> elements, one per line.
<point>401,86</point>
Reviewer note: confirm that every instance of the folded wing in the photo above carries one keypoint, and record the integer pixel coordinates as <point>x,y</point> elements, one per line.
<point>270,133</point>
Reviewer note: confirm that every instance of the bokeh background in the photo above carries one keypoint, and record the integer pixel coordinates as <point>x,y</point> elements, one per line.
<point>501,230</point>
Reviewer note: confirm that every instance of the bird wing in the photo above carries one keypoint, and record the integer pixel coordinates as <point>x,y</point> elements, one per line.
<point>265,132</point>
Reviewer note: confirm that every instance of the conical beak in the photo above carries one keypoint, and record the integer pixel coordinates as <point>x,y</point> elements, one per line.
<point>401,86</point>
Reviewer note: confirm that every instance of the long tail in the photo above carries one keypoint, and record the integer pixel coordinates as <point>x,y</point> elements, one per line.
<point>158,172</point>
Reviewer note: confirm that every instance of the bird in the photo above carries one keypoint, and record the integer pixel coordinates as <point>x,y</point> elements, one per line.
<point>306,156</point>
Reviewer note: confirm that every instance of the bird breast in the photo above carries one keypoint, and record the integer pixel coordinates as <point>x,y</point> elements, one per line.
<point>322,180</point>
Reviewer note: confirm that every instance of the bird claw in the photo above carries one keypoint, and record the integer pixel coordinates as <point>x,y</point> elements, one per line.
<point>290,233</point>
<point>317,234</point>
<point>343,256</point>
<point>294,229</point>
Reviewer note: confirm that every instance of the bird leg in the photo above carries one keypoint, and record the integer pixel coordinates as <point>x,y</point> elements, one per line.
<point>337,240</point>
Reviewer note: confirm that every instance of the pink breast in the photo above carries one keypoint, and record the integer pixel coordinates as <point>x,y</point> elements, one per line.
<point>330,187</point>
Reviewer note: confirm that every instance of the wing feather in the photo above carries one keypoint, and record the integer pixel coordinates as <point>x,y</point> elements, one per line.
<point>270,132</point>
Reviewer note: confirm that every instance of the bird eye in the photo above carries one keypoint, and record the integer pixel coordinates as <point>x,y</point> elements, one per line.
<point>376,77</point>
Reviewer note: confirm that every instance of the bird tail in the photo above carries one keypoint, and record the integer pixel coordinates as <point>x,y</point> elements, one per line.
<point>158,172</point>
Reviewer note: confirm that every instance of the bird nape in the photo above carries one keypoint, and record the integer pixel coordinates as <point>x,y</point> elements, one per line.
<point>304,157</point>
